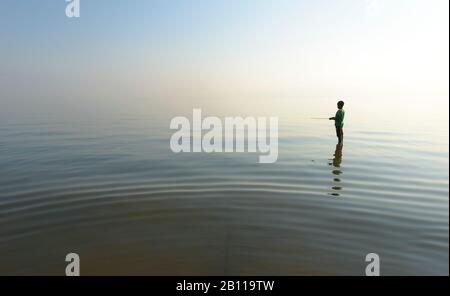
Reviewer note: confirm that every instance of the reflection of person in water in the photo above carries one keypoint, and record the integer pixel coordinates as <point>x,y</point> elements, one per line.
<point>337,172</point>
<point>337,160</point>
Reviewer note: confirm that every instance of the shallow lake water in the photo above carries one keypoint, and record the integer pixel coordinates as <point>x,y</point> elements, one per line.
<point>111,190</point>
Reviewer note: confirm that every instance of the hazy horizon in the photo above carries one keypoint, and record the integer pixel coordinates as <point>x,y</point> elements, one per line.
<point>257,56</point>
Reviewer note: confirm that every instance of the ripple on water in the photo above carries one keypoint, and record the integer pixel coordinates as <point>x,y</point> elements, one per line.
<point>130,207</point>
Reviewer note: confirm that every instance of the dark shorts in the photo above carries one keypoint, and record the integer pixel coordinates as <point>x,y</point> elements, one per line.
<point>339,131</point>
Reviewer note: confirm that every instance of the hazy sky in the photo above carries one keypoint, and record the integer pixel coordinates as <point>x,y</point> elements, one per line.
<point>165,53</point>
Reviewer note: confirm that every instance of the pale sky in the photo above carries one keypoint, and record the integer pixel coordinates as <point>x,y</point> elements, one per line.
<point>161,54</point>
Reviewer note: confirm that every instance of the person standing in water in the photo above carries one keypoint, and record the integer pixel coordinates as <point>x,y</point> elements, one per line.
<point>339,122</point>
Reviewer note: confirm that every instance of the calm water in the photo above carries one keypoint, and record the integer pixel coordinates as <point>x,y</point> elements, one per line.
<point>112,191</point>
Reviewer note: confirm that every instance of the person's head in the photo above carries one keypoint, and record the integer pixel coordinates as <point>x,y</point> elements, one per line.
<point>340,104</point>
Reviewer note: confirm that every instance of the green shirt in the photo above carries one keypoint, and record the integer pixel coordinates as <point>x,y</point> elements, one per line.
<point>340,114</point>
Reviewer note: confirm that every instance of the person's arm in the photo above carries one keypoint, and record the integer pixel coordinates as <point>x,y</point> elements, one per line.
<point>332,118</point>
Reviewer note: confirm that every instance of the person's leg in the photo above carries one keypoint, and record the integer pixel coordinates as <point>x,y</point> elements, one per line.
<point>340,134</point>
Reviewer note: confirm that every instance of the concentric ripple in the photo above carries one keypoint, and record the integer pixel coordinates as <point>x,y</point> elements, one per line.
<point>113,192</point>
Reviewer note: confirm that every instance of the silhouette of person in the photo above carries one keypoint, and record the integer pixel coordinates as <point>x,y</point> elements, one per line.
<point>339,122</point>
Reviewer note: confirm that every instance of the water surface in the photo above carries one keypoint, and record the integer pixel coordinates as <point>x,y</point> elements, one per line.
<point>111,190</point>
